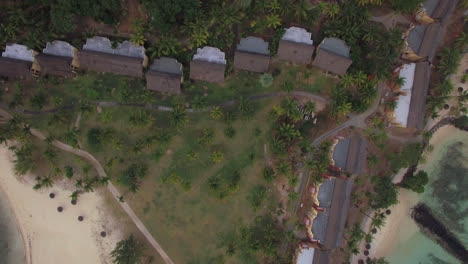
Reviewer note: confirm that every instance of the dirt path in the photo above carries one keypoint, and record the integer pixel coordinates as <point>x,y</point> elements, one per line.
<point>101,172</point>
<point>320,100</point>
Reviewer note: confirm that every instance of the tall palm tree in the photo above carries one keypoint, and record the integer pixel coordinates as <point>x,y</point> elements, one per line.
<point>179,117</point>
<point>347,80</point>
<point>216,113</point>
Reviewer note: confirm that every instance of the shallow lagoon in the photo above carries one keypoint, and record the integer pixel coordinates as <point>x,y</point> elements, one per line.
<point>11,242</point>
<point>447,196</point>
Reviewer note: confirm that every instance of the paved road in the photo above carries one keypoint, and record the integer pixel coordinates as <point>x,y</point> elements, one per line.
<point>101,172</point>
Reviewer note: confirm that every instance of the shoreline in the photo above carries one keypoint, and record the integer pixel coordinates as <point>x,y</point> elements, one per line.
<point>52,237</point>
<point>387,239</point>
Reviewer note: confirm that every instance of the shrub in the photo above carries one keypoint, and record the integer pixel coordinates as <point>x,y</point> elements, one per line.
<point>257,196</point>
<point>269,174</point>
<point>229,132</point>
<point>266,80</point>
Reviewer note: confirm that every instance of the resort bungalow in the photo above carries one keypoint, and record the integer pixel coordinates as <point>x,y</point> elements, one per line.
<point>333,56</point>
<point>423,40</point>
<point>16,62</point>
<point>332,209</point>
<point>296,46</point>
<point>350,154</point>
<point>57,59</point>
<point>208,64</point>
<point>165,76</point>
<point>252,54</point>
<point>99,56</point>
<point>409,111</point>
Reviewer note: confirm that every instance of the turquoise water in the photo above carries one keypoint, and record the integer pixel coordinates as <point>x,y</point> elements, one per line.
<point>11,242</point>
<point>447,196</point>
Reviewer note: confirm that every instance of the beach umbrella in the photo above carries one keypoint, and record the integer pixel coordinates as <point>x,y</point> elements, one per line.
<point>103,234</point>
<point>80,218</point>
<point>60,209</point>
<point>51,195</point>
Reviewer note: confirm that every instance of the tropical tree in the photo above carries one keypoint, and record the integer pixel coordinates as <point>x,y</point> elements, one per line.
<point>288,132</point>
<point>245,107</point>
<point>406,6</point>
<point>179,117</point>
<point>377,261</point>
<point>216,113</point>
<point>449,60</point>
<point>385,193</point>
<point>217,156</point>
<point>309,107</point>
<point>273,21</point>
<point>138,37</point>
<point>128,251</point>
<point>329,9</point>
<point>23,161</point>
<point>166,45</point>
<point>266,80</point>
<point>369,2</point>
<point>415,182</point>
<point>133,175</point>
<point>378,221</point>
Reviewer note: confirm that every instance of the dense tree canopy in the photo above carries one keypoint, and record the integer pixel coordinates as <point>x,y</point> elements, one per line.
<point>385,193</point>
<point>415,182</point>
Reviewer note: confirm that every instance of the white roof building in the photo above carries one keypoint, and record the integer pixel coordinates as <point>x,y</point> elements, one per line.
<point>404,100</point>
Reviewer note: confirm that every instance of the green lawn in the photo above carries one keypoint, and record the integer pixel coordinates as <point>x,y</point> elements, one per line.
<point>175,200</point>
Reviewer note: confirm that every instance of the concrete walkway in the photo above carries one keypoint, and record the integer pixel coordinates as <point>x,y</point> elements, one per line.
<point>390,20</point>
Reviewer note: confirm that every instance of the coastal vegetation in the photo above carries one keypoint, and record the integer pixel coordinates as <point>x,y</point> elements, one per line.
<point>127,251</point>
<point>415,182</point>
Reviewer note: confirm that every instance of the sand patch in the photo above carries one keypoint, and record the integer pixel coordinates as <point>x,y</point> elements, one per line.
<point>52,237</point>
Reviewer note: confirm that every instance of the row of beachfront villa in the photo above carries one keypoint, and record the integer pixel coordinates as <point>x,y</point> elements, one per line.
<point>166,74</point>
<point>325,221</point>
<point>422,42</point>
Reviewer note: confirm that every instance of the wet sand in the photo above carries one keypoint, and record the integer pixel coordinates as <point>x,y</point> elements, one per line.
<point>51,237</point>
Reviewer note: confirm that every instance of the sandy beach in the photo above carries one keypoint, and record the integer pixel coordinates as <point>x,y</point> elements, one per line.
<point>398,227</point>
<point>51,237</point>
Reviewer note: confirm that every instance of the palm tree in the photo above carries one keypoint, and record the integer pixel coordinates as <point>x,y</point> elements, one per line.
<point>216,113</point>
<point>329,9</point>
<point>347,80</point>
<point>245,106</point>
<point>217,156</point>
<point>79,183</point>
<point>128,251</point>
<point>289,132</point>
<point>46,181</point>
<point>74,196</point>
<point>309,107</point>
<point>242,4</point>
<point>445,87</point>
<point>179,116</point>
<point>273,21</point>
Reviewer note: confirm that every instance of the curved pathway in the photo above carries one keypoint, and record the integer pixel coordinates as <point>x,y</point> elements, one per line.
<point>163,108</point>
<point>101,172</point>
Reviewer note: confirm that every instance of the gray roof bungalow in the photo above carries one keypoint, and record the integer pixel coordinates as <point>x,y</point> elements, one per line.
<point>333,56</point>
<point>252,54</point>
<point>165,75</point>
<point>208,64</point>
<point>421,81</point>
<point>57,59</point>
<point>334,198</point>
<point>296,46</point>
<point>99,56</point>
<point>424,40</point>
<point>350,154</point>
<point>16,62</point>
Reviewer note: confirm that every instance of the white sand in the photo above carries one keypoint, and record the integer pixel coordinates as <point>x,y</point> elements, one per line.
<point>52,237</point>
<point>387,238</point>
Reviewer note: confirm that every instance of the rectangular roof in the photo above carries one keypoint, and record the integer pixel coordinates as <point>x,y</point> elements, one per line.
<point>404,100</point>
<point>163,82</point>
<point>416,113</point>
<point>295,52</point>
<point>328,226</point>
<point>207,71</point>
<point>331,62</point>
<point>15,69</point>
<point>306,256</point>
<point>321,257</point>
<point>350,154</point>
<point>110,63</point>
<point>55,65</point>
<point>249,61</point>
